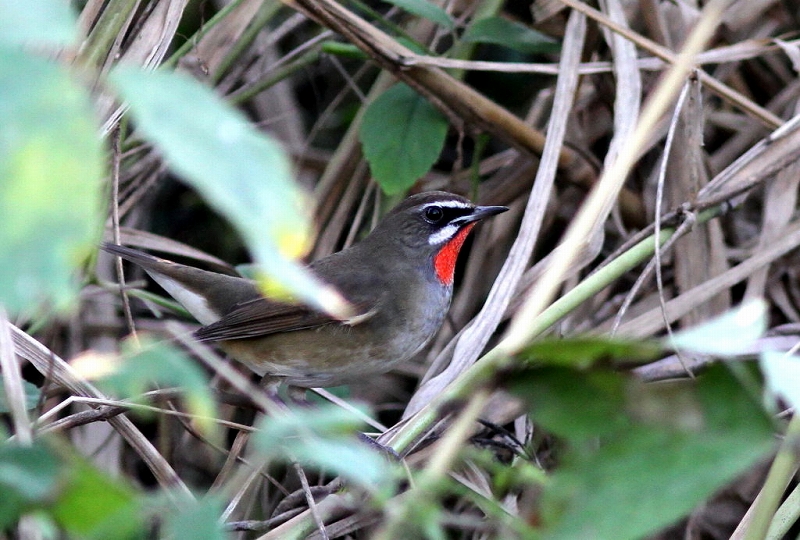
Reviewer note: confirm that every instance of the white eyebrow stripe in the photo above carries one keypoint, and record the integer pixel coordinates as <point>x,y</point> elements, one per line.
<point>448,204</point>
<point>442,235</point>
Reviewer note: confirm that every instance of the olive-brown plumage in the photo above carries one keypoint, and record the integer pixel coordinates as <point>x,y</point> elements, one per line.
<point>399,280</point>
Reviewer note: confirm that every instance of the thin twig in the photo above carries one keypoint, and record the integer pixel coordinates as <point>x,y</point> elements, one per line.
<point>312,505</point>
<point>116,157</point>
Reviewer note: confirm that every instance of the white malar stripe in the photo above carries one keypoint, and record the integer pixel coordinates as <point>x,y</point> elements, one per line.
<point>443,235</point>
<point>448,204</point>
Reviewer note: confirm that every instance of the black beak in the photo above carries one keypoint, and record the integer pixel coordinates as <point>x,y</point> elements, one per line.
<point>481,212</point>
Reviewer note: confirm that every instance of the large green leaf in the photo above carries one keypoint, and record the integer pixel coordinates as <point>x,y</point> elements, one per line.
<point>197,520</point>
<point>403,135</point>
<point>51,166</point>
<point>91,504</point>
<point>500,31</point>
<point>50,22</point>
<point>50,477</point>
<point>324,437</point>
<point>240,171</point>
<point>28,477</point>
<point>640,456</point>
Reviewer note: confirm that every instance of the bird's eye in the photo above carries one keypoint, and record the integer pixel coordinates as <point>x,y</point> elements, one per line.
<point>434,214</point>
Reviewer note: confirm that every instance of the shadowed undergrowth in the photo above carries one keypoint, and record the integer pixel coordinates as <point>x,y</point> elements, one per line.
<point>614,363</point>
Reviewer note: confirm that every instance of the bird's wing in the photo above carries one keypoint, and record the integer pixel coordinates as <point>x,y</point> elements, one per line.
<point>262,317</point>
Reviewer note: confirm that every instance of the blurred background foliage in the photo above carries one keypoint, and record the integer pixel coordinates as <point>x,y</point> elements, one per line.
<point>255,131</point>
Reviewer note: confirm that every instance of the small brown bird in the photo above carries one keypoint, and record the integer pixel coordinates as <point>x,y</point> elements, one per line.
<point>399,279</point>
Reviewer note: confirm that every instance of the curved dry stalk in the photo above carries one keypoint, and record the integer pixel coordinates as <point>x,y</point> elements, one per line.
<point>475,337</point>
<point>652,321</point>
<point>746,50</point>
<point>12,384</point>
<point>723,91</point>
<point>598,204</point>
<point>51,365</point>
<point>463,106</point>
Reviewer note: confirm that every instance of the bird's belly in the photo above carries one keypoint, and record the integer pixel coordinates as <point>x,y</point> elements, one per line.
<point>327,356</point>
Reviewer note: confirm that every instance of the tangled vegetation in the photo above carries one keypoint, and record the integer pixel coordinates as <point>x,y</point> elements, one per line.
<point>617,360</point>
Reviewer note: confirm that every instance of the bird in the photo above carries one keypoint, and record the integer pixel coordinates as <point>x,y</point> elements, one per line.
<point>398,280</point>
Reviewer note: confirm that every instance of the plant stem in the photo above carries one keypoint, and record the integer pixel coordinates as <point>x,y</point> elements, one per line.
<point>778,478</point>
<point>248,93</point>
<point>106,31</point>
<point>265,14</point>
<point>430,481</point>
<point>172,61</point>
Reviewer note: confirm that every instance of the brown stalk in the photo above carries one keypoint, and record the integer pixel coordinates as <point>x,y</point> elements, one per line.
<point>463,106</point>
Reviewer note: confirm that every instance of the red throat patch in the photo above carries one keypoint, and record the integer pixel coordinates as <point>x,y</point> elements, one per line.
<point>445,261</point>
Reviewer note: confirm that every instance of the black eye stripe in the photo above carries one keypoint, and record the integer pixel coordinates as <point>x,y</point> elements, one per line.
<point>449,214</point>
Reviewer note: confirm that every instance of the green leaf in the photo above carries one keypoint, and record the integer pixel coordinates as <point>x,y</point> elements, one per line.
<point>586,351</point>
<point>30,471</point>
<point>160,363</point>
<point>500,31</point>
<point>41,22</point>
<point>199,520</point>
<point>49,476</point>
<point>29,477</point>
<point>325,437</point>
<point>51,167</point>
<point>782,373</point>
<point>728,334</point>
<point>403,135</point>
<point>94,505</point>
<point>657,450</point>
<point>426,10</point>
<point>32,394</point>
<point>241,172</point>
<point>598,395</point>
